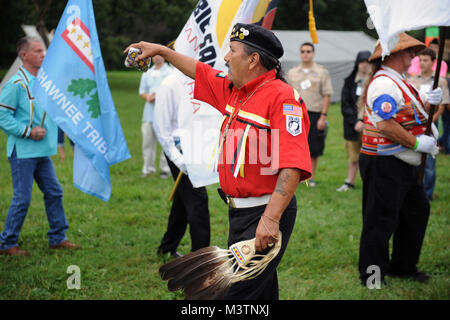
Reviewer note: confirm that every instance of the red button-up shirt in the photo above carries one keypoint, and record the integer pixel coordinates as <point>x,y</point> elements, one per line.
<point>268,130</point>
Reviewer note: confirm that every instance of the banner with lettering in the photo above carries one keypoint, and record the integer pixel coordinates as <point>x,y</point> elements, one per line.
<point>72,87</point>
<point>205,37</point>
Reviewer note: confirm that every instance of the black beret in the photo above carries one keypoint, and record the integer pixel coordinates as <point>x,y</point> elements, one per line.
<point>259,37</point>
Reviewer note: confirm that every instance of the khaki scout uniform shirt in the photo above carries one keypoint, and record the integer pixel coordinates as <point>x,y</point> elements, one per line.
<point>312,84</point>
<point>425,84</point>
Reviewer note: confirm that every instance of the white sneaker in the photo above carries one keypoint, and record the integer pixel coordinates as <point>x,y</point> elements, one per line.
<point>345,187</point>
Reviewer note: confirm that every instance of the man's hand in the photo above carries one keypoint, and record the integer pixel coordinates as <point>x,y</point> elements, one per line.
<point>426,144</point>
<point>322,123</point>
<point>267,229</point>
<point>179,162</point>
<point>151,97</point>
<point>266,233</point>
<point>178,159</point>
<point>37,133</point>
<point>359,126</point>
<point>435,96</point>
<point>147,49</point>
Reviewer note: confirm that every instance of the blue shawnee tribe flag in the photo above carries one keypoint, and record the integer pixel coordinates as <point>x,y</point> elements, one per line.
<point>72,87</point>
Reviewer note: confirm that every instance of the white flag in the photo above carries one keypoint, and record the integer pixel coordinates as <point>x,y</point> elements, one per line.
<point>205,37</point>
<point>391,17</point>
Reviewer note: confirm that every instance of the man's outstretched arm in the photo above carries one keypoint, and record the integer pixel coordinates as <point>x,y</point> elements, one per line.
<point>183,63</point>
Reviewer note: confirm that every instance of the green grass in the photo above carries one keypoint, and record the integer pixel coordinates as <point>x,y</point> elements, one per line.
<point>119,238</point>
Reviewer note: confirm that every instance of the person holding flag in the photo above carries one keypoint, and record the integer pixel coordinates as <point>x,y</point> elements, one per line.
<point>258,109</point>
<point>394,201</point>
<point>190,204</point>
<point>31,142</point>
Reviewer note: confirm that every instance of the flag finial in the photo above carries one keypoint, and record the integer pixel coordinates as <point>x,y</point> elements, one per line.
<point>312,23</point>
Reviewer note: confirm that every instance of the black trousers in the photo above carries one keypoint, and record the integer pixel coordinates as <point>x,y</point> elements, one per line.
<point>316,138</point>
<point>190,206</point>
<point>394,203</point>
<point>243,224</point>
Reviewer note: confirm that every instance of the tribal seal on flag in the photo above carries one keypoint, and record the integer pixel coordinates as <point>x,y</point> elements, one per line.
<point>78,38</point>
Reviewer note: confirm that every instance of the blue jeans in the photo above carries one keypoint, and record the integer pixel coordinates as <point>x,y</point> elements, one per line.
<point>444,140</point>
<point>61,138</point>
<point>23,171</point>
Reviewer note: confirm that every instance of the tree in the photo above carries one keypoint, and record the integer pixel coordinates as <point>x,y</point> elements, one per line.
<point>119,22</point>
<point>329,15</point>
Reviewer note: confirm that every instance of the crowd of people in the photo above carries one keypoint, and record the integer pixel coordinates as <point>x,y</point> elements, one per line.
<point>384,114</point>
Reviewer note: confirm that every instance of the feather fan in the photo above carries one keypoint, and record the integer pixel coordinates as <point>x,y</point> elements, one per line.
<point>208,272</point>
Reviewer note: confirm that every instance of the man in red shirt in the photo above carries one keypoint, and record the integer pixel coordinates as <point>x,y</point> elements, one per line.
<point>263,148</point>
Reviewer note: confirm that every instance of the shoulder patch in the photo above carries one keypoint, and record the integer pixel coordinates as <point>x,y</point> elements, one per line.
<point>221,74</point>
<point>292,109</point>
<point>294,125</point>
<point>385,106</point>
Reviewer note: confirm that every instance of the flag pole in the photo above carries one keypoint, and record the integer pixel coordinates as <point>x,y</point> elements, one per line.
<point>175,186</point>
<point>442,31</point>
<point>312,23</point>
<point>43,119</point>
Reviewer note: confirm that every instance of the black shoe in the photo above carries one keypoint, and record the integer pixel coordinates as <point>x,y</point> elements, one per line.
<point>171,254</point>
<point>418,276</point>
<point>175,255</point>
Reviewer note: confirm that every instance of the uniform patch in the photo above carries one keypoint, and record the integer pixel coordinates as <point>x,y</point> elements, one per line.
<point>385,106</point>
<point>292,110</point>
<point>221,74</point>
<point>294,125</point>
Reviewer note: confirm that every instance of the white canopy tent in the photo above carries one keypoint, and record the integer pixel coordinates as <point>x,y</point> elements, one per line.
<point>336,51</point>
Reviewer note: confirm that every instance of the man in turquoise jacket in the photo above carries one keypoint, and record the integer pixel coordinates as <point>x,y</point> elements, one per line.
<point>29,147</point>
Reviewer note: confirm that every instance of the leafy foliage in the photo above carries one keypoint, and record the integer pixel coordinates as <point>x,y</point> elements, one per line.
<point>121,22</point>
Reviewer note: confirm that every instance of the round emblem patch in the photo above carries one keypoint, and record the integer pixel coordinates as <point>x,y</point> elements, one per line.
<point>245,249</point>
<point>386,107</point>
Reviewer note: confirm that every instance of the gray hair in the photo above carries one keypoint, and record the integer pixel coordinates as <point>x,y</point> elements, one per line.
<point>24,43</point>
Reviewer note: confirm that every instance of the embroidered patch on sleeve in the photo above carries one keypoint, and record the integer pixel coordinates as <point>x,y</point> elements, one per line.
<point>385,106</point>
<point>294,125</point>
<point>221,74</point>
<point>292,110</point>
